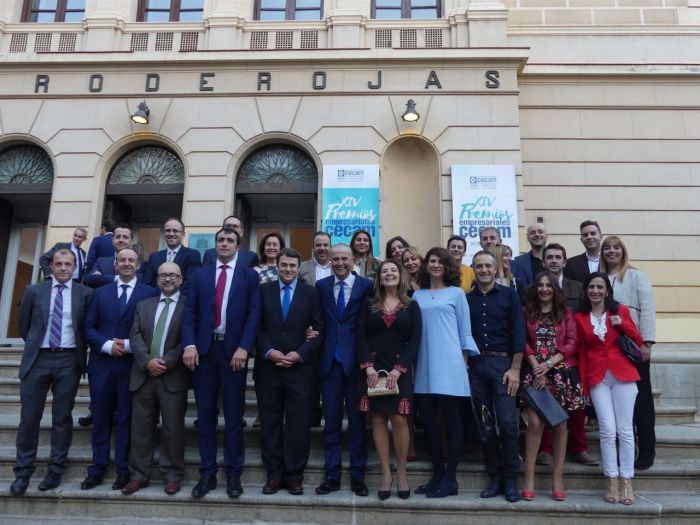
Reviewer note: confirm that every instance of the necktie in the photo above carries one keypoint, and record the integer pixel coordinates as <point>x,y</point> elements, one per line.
<point>160,328</point>
<point>220,289</point>
<point>80,265</point>
<point>57,319</point>
<point>171,256</point>
<point>340,305</point>
<point>286,300</point>
<point>123,299</point>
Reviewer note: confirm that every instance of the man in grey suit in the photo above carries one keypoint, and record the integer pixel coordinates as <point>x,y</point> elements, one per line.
<point>79,236</point>
<point>159,382</point>
<point>319,266</point>
<point>51,318</point>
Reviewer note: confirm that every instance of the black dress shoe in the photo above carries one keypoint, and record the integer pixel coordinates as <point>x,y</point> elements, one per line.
<point>121,481</point>
<point>427,487</point>
<point>85,421</point>
<point>295,488</point>
<point>233,487</point>
<point>19,486</point>
<point>327,486</point>
<point>203,486</point>
<point>494,489</point>
<point>446,487</point>
<point>272,486</point>
<point>91,482</point>
<point>510,489</point>
<point>50,482</point>
<point>358,487</point>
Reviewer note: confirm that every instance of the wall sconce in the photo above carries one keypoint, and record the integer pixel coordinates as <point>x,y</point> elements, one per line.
<point>410,115</point>
<point>141,115</point>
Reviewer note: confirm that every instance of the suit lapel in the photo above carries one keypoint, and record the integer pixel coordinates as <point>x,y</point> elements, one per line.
<point>75,303</point>
<point>354,294</point>
<point>46,301</point>
<point>151,307</point>
<point>175,320</point>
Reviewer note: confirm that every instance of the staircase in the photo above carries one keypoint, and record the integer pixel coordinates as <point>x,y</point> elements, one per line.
<point>667,493</point>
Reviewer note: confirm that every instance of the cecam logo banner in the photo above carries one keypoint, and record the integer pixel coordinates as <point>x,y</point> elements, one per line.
<point>351,176</point>
<point>489,182</point>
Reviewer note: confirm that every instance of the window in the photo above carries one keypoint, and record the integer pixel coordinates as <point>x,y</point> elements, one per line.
<point>394,9</point>
<point>47,11</point>
<point>288,9</point>
<point>171,10</point>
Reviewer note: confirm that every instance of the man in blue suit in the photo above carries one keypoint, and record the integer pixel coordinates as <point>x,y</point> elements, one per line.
<point>526,266</point>
<point>104,270</point>
<point>187,259</point>
<point>219,330</point>
<point>342,295</point>
<point>107,326</point>
<point>245,257</point>
<point>101,246</point>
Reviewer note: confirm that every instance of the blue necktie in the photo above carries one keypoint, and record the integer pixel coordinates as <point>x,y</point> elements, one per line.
<point>57,319</point>
<point>122,299</point>
<point>340,305</point>
<point>286,301</point>
<point>80,265</point>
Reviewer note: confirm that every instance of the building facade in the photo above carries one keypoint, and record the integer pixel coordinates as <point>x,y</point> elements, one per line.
<point>595,102</point>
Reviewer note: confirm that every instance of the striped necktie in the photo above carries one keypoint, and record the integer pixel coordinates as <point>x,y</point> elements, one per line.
<point>57,318</point>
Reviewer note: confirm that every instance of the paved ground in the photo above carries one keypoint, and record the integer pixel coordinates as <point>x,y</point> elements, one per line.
<point>47,520</point>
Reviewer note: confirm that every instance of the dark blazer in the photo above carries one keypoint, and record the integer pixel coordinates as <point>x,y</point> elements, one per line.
<point>177,378</point>
<point>522,269</point>
<point>187,259</point>
<point>341,331</point>
<point>573,290</point>
<point>103,321</point>
<point>34,318</point>
<point>577,268</point>
<point>45,259</point>
<point>99,247</point>
<point>242,312</point>
<point>245,258</point>
<point>105,265</point>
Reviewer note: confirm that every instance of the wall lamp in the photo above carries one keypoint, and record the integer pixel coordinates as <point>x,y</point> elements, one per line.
<point>410,115</point>
<point>141,115</point>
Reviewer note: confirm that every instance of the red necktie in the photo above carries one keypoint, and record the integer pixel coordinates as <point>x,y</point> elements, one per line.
<point>220,289</point>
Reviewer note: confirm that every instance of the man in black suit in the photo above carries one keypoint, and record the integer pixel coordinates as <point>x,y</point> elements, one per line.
<point>101,246</point>
<point>159,382</point>
<point>581,266</point>
<point>245,257</point>
<point>285,368</point>
<point>554,259</point>
<point>51,317</point>
<point>79,236</point>
<point>186,258</point>
<point>104,272</point>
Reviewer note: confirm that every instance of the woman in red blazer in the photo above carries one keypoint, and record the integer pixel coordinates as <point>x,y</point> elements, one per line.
<point>610,378</point>
<point>550,352</point>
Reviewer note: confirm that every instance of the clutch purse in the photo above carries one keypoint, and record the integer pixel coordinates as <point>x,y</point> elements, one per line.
<point>484,421</point>
<point>380,389</point>
<point>629,347</point>
<point>546,406</point>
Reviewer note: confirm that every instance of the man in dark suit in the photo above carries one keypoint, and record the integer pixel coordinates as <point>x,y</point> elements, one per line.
<point>101,246</point>
<point>219,327</point>
<point>581,266</point>
<point>524,267</point>
<point>554,258</point>
<point>78,238</point>
<point>104,271</point>
<point>107,326</point>
<point>342,295</point>
<point>245,257</point>
<point>51,318</point>
<point>159,383</point>
<point>187,259</point>
<point>319,266</point>
<point>285,366</point>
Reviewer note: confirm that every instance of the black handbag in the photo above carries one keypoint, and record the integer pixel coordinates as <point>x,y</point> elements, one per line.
<point>546,406</point>
<point>484,421</point>
<point>629,347</point>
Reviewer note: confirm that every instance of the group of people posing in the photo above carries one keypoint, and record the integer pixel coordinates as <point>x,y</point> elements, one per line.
<point>411,340</point>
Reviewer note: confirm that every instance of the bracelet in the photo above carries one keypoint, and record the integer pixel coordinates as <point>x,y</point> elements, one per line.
<point>550,363</point>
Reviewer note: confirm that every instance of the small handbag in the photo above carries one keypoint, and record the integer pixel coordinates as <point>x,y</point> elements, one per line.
<point>484,420</point>
<point>546,406</point>
<point>380,389</point>
<point>629,347</point>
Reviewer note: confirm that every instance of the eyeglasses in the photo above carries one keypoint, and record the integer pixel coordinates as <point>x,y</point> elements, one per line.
<point>169,276</point>
<point>173,231</point>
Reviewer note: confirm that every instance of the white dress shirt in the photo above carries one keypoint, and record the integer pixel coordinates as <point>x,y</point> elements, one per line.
<point>67,333</point>
<point>322,271</point>
<point>221,329</point>
<point>593,264</point>
<point>173,251</point>
<point>349,281</point>
<point>107,347</point>
<point>78,259</point>
<point>171,310</point>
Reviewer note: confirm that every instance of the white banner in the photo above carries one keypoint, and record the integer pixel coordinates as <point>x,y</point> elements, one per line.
<point>484,195</point>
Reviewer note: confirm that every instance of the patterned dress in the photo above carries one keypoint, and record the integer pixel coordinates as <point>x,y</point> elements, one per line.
<point>266,273</point>
<point>563,382</point>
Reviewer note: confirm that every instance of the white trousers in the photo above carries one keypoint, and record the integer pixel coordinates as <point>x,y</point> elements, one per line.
<point>614,405</point>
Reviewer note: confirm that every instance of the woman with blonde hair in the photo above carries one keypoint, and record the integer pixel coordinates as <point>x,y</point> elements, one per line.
<point>504,275</point>
<point>412,260</point>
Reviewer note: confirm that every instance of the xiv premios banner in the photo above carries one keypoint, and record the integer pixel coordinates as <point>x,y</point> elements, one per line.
<point>351,201</point>
<point>484,196</point>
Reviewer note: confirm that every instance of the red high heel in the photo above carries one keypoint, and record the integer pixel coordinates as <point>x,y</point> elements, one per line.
<point>528,495</point>
<point>558,496</point>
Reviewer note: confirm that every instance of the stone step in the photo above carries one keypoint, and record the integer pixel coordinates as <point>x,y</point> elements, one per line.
<point>342,507</point>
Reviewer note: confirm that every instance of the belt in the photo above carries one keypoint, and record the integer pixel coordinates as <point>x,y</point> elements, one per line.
<point>496,354</point>
<point>54,350</point>
<point>218,337</point>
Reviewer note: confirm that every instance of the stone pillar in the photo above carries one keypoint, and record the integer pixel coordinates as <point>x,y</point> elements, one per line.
<point>104,22</point>
<point>224,20</point>
<point>487,21</point>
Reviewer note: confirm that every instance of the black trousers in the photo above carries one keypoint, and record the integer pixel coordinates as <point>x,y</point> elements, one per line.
<point>644,414</point>
<point>451,408</point>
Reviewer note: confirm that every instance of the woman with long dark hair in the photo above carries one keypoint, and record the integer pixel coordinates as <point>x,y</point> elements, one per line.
<point>270,246</point>
<point>364,262</point>
<point>395,248</point>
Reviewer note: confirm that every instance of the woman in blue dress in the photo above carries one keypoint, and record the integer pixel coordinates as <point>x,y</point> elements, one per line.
<point>441,369</point>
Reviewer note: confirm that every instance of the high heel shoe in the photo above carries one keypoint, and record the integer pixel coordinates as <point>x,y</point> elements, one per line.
<point>613,493</point>
<point>384,494</point>
<point>528,495</point>
<point>627,493</point>
<point>403,494</point>
<point>558,496</point>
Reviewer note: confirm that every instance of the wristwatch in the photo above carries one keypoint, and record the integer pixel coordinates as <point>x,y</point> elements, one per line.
<point>550,363</point>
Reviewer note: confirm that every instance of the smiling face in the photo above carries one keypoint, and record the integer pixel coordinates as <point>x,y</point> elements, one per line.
<point>537,236</point>
<point>341,261</point>
<point>613,253</point>
<point>121,239</point>
<point>169,278</point>
<point>435,267</point>
<point>288,269</point>
<point>485,269</point>
<point>126,264</point>
<point>490,237</point>
<point>272,249</point>
<point>397,249</point>
<point>591,238</point>
<point>411,262</point>
<point>322,248</point>
<point>596,291</point>
<point>361,244</point>
<point>173,234</point>
<point>456,249</point>
<point>235,223</point>
<point>545,290</point>
<point>389,275</point>
<point>506,257</point>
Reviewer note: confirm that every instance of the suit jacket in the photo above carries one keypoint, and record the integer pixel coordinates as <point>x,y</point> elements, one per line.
<point>177,378</point>
<point>242,312</point>
<point>187,259</point>
<point>573,290</point>
<point>103,321</point>
<point>307,272</point>
<point>577,268</point>
<point>245,258</point>
<point>34,319</point>
<point>343,331</point>
<point>45,259</point>
<point>105,265</point>
<point>99,247</point>
<point>521,268</point>
<point>565,337</point>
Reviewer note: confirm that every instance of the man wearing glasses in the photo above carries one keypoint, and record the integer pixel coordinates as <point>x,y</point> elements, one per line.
<point>186,258</point>
<point>159,382</point>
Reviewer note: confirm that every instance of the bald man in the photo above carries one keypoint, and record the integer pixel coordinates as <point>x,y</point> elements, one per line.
<point>526,266</point>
